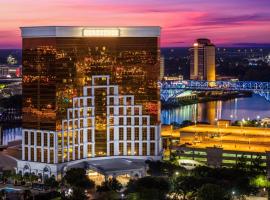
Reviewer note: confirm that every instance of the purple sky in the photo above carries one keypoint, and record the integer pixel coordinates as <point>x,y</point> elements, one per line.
<point>225,22</point>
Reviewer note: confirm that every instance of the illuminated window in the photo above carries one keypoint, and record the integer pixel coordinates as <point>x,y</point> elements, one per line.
<point>144,133</point>
<point>38,155</point>
<point>128,110</point>
<point>128,133</point>
<point>32,154</point>
<point>89,93</point>
<point>81,112</point>
<point>111,149</point>
<point>121,101</point>
<point>111,90</point>
<point>152,148</point>
<point>32,138</point>
<point>38,139</point>
<point>121,134</point>
<point>136,111</point>
<point>26,138</point>
<point>111,101</point>
<point>89,122</point>
<point>45,136</point>
<point>128,100</point>
<point>89,112</point>
<point>111,134</point>
<point>51,156</point>
<point>89,101</point>
<point>144,149</point>
<point>81,136</point>
<point>75,123</point>
<point>128,121</point>
<point>136,133</point>
<point>121,121</point>
<point>121,111</point>
<point>45,155</point>
<point>81,152</point>
<point>81,123</point>
<point>26,153</point>
<point>121,149</point>
<point>76,113</point>
<point>111,121</point>
<point>89,135</point>
<point>145,121</point>
<point>111,111</point>
<point>51,140</point>
<point>152,133</point>
<point>128,148</point>
<point>136,149</point>
<point>137,121</point>
<point>65,126</point>
<point>89,150</point>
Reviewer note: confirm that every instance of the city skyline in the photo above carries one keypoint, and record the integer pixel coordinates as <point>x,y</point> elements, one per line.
<point>230,23</point>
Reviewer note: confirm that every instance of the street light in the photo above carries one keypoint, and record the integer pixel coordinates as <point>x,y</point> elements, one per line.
<point>176,173</point>
<point>122,196</point>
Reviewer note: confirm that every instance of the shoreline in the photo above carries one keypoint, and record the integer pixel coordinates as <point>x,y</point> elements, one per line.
<point>205,97</point>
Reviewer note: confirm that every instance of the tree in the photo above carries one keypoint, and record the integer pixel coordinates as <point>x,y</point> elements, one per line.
<point>148,188</point>
<point>184,185</point>
<point>76,177</point>
<point>211,192</point>
<point>78,181</point>
<point>27,195</point>
<point>51,183</point>
<point>110,185</point>
<point>164,168</point>
<point>241,163</point>
<point>3,194</point>
<point>257,165</point>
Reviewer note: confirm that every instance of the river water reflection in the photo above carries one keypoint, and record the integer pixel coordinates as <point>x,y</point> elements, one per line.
<point>235,109</point>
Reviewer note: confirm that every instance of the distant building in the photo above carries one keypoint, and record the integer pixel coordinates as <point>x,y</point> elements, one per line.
<point>162,67</point>
<point>4,71</point>
<point>89,93</point>
<point>202,60</point>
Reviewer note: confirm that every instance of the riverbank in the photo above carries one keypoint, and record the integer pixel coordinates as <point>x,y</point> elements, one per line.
<point>203,97</point>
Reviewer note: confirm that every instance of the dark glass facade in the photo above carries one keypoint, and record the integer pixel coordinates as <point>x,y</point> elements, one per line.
<point>56,69</point>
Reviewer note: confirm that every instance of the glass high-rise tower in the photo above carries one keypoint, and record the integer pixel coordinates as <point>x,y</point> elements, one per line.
<point>89,92</point>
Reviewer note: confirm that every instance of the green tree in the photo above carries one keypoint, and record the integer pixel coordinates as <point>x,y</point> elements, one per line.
<point>76,178</point>
<point>3,194</point>
<point>241,163</point>
<point>27,195</point>
<point>185,185</point>
<point>148,188</point>
<point>211,192</point>
<point>257,165</point>
<point>51,183</point>
<point>110,185</point>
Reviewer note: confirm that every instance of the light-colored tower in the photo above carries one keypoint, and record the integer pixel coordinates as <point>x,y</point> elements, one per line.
<point>202,60</point>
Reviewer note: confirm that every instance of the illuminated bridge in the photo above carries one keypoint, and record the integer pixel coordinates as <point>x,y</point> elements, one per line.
<point>171,89</point>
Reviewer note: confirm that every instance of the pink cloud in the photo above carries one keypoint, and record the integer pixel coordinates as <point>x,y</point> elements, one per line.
<point>181,21</point>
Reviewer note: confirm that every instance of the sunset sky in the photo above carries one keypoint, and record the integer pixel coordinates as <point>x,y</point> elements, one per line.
<point>225,22</point>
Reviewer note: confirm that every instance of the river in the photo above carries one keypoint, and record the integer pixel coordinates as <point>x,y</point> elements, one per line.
<point>234,109</point>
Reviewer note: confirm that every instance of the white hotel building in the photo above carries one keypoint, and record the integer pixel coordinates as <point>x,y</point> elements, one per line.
<point>90,99</point>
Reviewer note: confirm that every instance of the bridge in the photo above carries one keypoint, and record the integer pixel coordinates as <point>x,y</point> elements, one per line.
<point>10,80</point>
<point>171,89</point>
